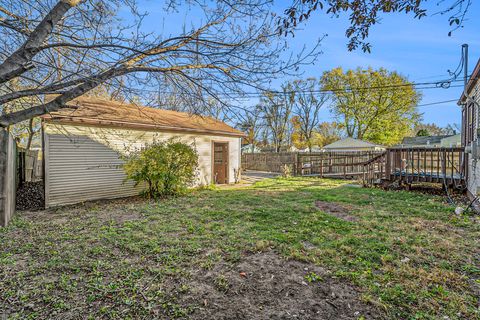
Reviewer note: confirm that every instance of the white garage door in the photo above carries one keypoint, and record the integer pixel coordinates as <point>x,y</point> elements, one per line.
<point>78,169</point>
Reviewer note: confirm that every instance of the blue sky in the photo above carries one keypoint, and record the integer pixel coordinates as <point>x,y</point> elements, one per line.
<point>419,49</point>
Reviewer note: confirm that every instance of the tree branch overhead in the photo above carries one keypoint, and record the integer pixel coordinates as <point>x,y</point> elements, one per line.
<point>76,47</point>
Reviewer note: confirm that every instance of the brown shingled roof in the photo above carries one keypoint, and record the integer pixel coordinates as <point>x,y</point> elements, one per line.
<point>94,111</point>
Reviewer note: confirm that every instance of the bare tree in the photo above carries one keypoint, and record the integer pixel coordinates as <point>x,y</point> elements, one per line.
<point>70,47</point>
<point>251,123</point>
<point>432,129</point>
<point>328,132</point>
<point>308,103</point>
<point>276,110</point>
<point>453,128</point>
<point>23,132</point>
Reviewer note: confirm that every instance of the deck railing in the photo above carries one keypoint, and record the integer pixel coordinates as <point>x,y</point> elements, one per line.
<point>420,164</point>
<point>405,165</point>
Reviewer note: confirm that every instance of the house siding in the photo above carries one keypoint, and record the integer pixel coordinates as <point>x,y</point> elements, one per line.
<point>469,129</point>
<point>85,162</point>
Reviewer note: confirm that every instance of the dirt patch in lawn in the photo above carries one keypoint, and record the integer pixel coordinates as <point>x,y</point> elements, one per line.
<point>265,286</point>
<point>335,210</point>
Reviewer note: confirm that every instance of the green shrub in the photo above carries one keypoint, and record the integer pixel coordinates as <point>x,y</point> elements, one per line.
<point>167,168</point>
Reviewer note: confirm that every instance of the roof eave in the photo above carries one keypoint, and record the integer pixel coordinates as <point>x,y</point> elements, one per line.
<point>130,125</point>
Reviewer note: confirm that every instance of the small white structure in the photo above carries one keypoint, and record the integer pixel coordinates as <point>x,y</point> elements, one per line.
<point>452,141</point>
<point>250,148</point>
<point>351,144</point>
<point>445,141</point>
<point>84,144</point>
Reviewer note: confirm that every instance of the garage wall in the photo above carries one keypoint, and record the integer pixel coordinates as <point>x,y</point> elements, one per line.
<point>84,163</point>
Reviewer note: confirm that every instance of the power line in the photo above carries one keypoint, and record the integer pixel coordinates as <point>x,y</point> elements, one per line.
<point>436,103</point>
<point>439,84</point>
<point>419,86</point>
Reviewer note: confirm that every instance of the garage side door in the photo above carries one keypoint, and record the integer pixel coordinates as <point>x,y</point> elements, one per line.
<point>78,169</point>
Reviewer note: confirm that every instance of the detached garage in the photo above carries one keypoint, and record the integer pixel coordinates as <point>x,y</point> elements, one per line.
<point>84,144</point>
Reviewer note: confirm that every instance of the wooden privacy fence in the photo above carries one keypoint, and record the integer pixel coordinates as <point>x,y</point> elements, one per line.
<point>334,164</point>
<point>268,161</point>
<point>323,164</point>
<point>29,164</point>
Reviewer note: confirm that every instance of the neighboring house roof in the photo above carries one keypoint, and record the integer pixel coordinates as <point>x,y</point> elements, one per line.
<point>350,143</point>
<point>94,111</point>
<point>424,141</point>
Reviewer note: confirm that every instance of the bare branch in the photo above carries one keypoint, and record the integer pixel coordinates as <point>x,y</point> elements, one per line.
<point>229,50</point>
<point>19,61</point>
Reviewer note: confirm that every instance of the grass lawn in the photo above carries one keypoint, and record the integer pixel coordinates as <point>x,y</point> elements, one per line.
<point>394,255</point>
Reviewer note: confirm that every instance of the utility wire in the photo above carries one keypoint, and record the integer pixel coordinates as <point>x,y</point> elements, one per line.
<point>324,91</point>
<point>439,84</point>
<point>436,103</point>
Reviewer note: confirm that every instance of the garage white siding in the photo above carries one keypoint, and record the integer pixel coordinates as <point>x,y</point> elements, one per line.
<point>84,162</point>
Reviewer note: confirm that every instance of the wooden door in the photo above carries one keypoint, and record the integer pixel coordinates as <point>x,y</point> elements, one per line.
<point>220,162</point>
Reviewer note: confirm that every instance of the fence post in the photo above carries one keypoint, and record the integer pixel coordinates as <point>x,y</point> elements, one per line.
<point>444,164</point>
<point>3,175</point>
<point>299,163</point>
<point>321,167</point>
<point>21,167</point>
<point>295,169</point>
<point>387,165</point>
<point>7,177</point>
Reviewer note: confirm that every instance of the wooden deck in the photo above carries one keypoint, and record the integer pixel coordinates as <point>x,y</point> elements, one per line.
<point>403,165</point>
<point>409,165</point>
